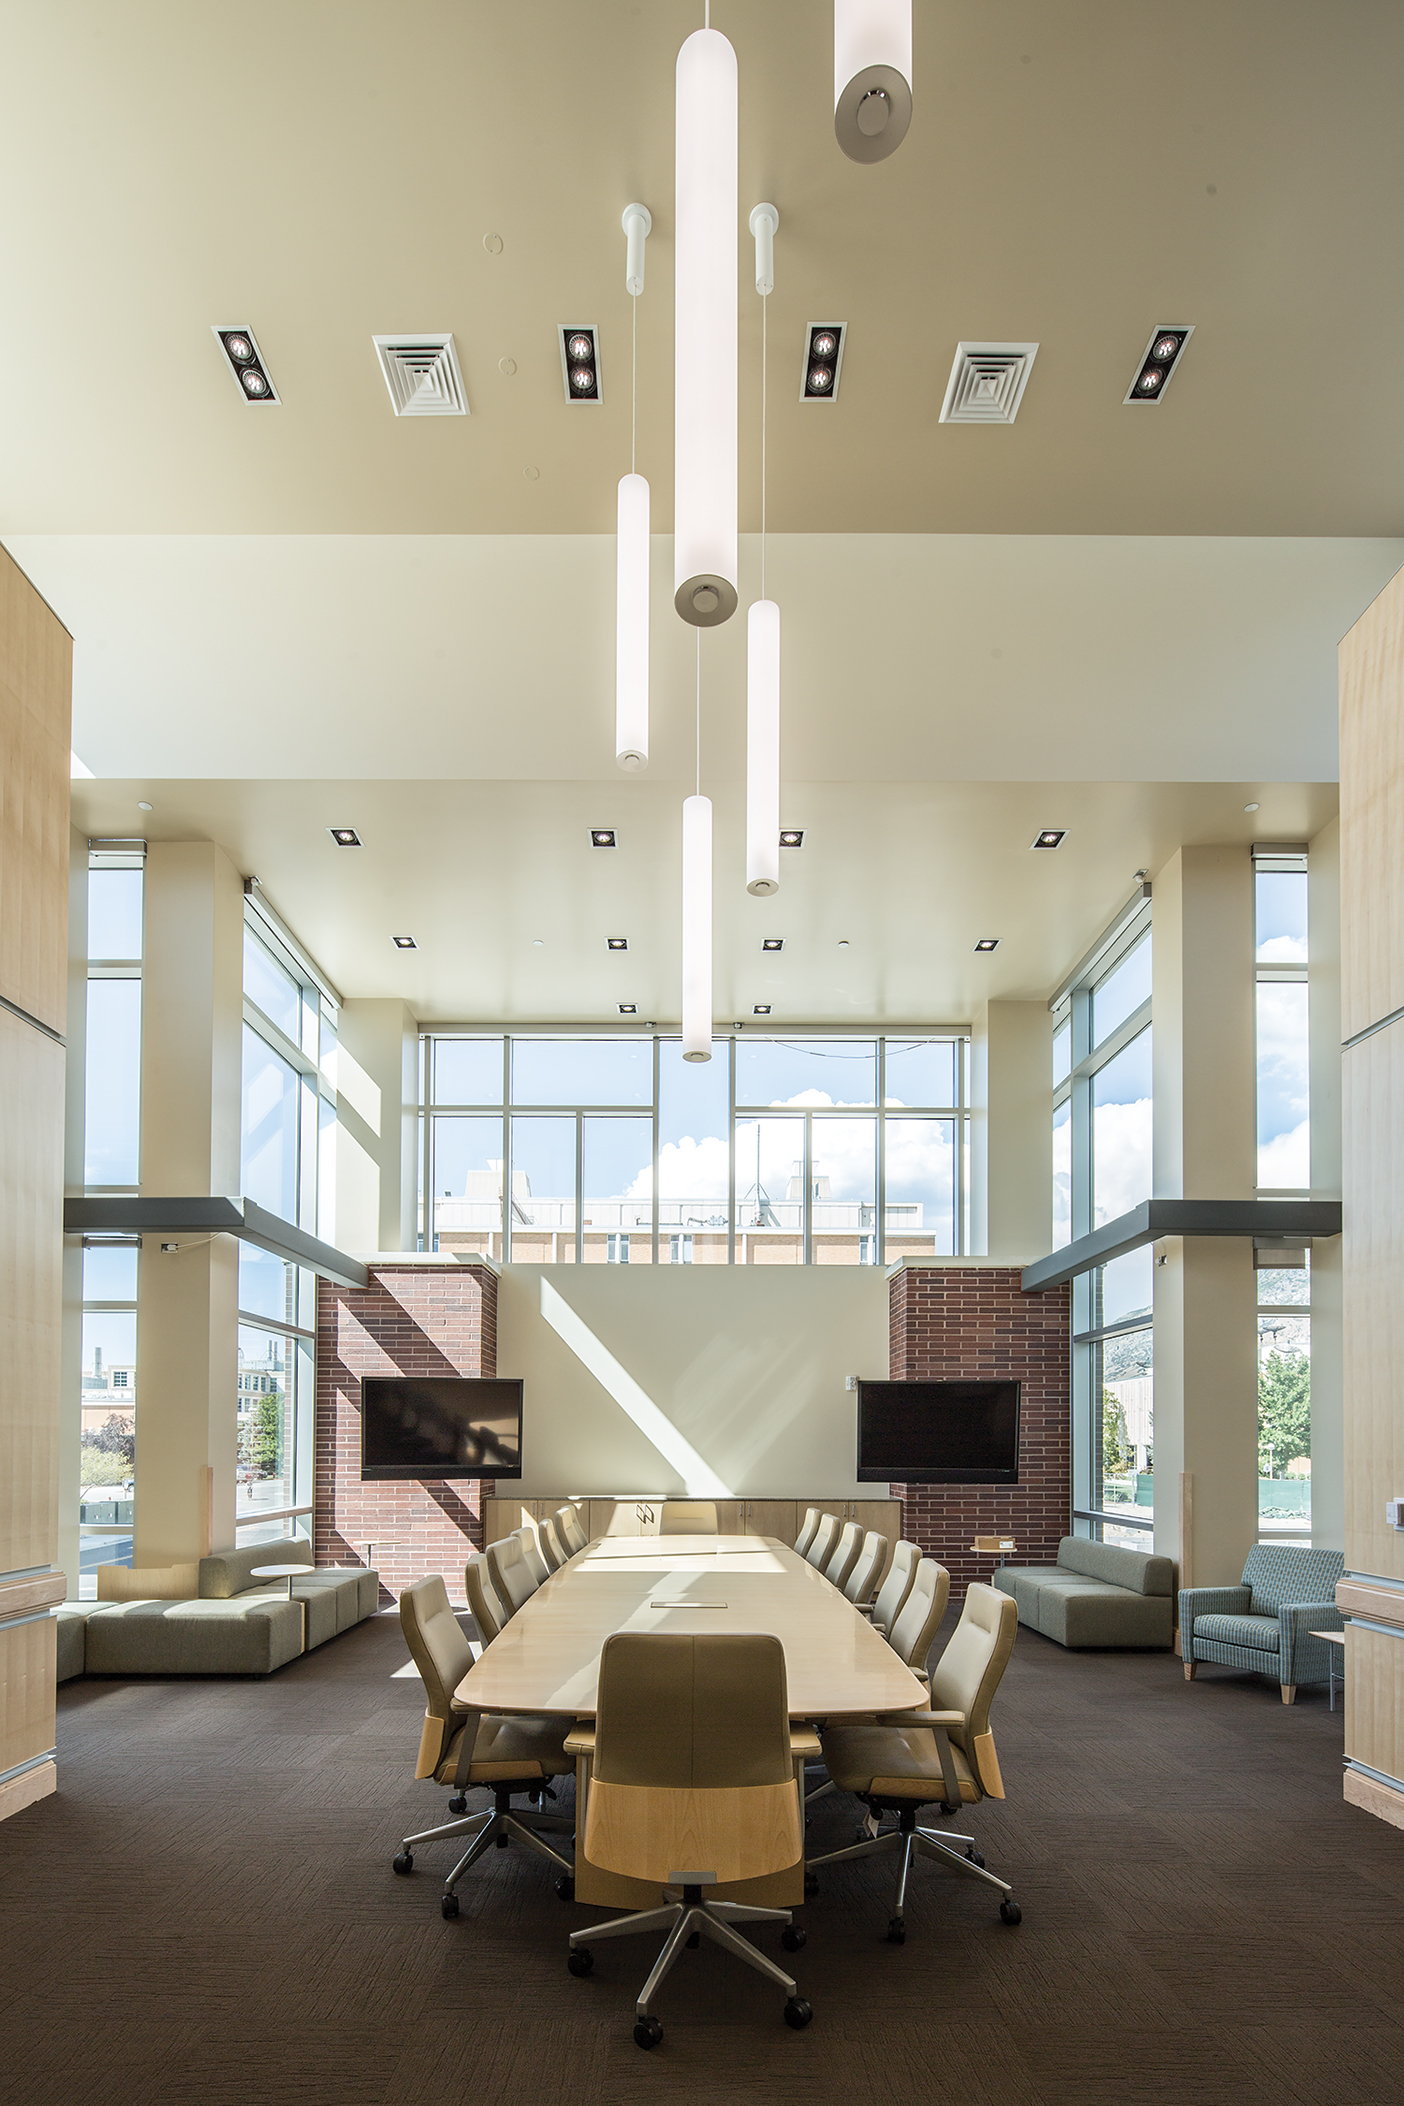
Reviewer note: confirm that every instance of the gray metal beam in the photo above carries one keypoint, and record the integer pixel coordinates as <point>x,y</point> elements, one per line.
<point>126,1214</point>
<point>1280,1219</point>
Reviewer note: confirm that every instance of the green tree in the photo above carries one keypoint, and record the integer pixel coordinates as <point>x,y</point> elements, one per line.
<point>1116,1448</point>
<point>267,1444</point>
<point>1284,1411</point>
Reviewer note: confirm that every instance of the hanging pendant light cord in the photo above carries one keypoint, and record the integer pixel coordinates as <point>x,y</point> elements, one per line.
<point>699,713</point>
<point>765,312</point>
<point>634,390</point>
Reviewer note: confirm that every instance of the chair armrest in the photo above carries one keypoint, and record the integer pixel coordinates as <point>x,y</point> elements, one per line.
<point>1301,1657</point>
<point>805,1744</point>
<point>1209,1601</point>
<point>580,1740</point>
<point>865,1608</point>
<point>922,1718</point>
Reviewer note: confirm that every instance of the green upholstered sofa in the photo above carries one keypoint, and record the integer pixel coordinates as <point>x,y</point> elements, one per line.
<point>1095,1596</point>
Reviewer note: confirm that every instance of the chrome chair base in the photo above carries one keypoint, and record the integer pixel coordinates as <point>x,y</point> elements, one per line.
<point>684,1922</point>
<point>910,1841</point>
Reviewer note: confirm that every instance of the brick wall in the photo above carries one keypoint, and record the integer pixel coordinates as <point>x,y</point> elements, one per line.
<point>974,1323</point>
<point>413,1319</point>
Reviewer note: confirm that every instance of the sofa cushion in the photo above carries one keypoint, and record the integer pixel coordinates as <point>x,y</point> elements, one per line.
<point>1289,1572</point>
<point>344,1588</point>
<point>230,1572</point>
<point>1259,1634</point>
<point>1095,1614</point>
<point>1135,1570</point>
<point>1022,1582</point>
<point>72,1638</point>
<point>250,1636</point>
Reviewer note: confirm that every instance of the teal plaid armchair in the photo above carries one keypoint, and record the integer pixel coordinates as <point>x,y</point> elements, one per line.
<point>1265,1624</point>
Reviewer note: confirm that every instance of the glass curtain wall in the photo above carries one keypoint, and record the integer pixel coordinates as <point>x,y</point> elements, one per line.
<point>810,1149</point>
<point>1284,1395</point>
<point>1281,968</point>
<point>1102,1108</point>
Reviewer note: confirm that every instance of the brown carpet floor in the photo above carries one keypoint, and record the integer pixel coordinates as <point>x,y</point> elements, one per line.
<point>205,1915</point>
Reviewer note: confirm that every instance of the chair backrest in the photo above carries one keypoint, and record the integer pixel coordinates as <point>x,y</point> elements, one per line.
<point>688,1517</point>
<point>821,1543</point>
<point>489,1610</point>
<point>968,1673</point>
<point>531,1551</point>
<point>914,1632</point>
<point>552,1548</point>
<point>897,1585</point>
<point>571,1533</point>
<point>807,1528</point>
<point>844,1555</point>
<point>1281,1573</point>
<point>437,1645</point>
<point>867,1566</point>
<point>511,1574</point>
<point>702,1724</point>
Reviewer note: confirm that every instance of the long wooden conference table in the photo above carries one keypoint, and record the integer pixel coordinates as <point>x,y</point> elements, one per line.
<point>546,1661</point>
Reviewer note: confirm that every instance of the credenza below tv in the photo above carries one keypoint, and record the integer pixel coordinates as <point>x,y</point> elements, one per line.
<point>639,1515</point>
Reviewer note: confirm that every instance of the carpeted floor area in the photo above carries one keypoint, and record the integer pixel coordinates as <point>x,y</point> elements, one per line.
<point>205,1912</point>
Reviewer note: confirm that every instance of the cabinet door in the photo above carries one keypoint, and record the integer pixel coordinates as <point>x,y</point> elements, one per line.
<point>731,1517</point>
<point>623,1517</point>
<point>768,1517</point>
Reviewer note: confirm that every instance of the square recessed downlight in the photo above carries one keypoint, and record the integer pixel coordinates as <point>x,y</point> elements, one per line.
<point>988,943</point>
<point>603,837</point>
<point>628,1008</point>
<point>772,943</point>
<point>345,836</point>
<point>404,943</point>
<point>245,361</point>
<point>580,361</point>
<point>1158,362</point>
<point>761,1009</point>
<point>792,837</point>
<point>1049,837</point>
<point>616,943</point>
<point>823,361</point>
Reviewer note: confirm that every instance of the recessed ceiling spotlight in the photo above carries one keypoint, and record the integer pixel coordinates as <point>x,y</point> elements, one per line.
<point>345,836</point>
<point>628,1008</point>
<point>603,837</point>
<point>772,943</point>
<point>404,943</point>
<point>792,837</point>
<point>1050,837</point>
<point>616,943</point>
<point>580,362</point>
<point>988,943</point>
<point>251,375</point>
<point>1158,362</point>
<point>823,361</point>
<point>761,1009</point>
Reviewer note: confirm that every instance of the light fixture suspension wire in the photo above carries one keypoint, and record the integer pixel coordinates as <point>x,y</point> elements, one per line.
<point>634,389</point>
<point>765,316</point>
<point>698,790</point>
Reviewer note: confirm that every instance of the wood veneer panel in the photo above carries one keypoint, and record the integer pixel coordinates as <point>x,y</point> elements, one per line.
<point>31,1260</point>
<point>36,680</point>
<point>1372,1136</point>
<point>1374,1699</point>
<point>1372,812</point>
<point>27,1652</point>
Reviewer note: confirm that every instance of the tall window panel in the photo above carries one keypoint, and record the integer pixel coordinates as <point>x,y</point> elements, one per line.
<point>1284,1395</point>
<point>1283,1045</point>
<point>108,1408</point>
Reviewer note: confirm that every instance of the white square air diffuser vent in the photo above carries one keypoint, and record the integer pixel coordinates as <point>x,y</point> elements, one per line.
<point>987,383</point>
<point>422,375</point>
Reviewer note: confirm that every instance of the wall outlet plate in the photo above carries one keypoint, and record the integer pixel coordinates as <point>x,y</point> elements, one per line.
<point>1394,1513</point>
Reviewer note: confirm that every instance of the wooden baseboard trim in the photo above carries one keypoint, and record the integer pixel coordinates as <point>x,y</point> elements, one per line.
<point>1373,1798</point>
<point>23,1790</point>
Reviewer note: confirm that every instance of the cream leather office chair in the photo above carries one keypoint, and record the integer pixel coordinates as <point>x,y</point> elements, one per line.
<point>868,1564</point>
<point>511,1575</point>
<point>896,1586</point>
<point>467,1748</point>
<point>552,1548</point>
<point>807,1528</point>
<point>821,1543</point>
<point>688,1517</point>
<point>844,1555</point>
<point>914,1631</point>
<point>571,1533</point>
<point>531,1551</point>
<point>692,1784</point>
<point>489,1611</point>
<point>945,1756</point>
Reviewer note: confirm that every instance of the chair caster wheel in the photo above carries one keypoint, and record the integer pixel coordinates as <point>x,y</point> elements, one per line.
<point>403,1862</point>
<point>1010,1912</point>
<point>974,1856</point>
<point>581,1961</point>
<point>798,2013</point>
<point>460,1804</point>
<point>862,1833</point>
<point>896,1932</point>
<point>648,2032</point>
<point>565,1887</point>
<point>811,1885</point>
<point>448,1907</point>
<point>793,1937</point>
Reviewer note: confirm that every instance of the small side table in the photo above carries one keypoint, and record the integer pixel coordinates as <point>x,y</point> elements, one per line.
<point>1333,1675</point>
<point>993,1546</point>
<point>289,1573</point>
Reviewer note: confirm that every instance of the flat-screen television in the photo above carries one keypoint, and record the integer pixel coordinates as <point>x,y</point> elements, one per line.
<point>440,1426</point>
<point>938,1432</point>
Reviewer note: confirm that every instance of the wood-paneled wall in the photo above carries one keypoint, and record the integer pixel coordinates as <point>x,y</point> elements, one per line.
<point>36,658</point>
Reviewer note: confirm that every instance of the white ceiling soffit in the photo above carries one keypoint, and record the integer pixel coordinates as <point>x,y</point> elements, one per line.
<point>987,383</point>
<point>422,374</point>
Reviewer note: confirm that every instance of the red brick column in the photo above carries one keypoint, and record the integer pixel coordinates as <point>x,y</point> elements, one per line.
<point>975,1323</point>
<point>413,1319</point>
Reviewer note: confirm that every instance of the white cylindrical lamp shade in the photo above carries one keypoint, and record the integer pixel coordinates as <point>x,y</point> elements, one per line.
<point>763,748</point>
<point>872,76</point>
<point>631,627</point>
<point>704,356</point>
<point>697,928</point>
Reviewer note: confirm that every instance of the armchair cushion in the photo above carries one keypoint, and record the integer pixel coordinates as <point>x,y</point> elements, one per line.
<point>1289,1572</point>
<point>1261,1633</point>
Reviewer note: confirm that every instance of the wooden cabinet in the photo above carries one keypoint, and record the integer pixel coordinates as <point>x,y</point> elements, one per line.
<point>735,1517</point>
<point>624,1517</point>
<point>501,1516</point>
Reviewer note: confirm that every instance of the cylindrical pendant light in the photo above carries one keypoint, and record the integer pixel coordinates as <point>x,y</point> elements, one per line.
<point>631,632</point>
<point>704,478</point>
<point>763,748</point>
<point>697,929</point>
<point>872,76</point>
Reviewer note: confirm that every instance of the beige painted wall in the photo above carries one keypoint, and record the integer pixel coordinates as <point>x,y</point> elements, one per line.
<point>1011,1174</point>
<point>1327,1386</point>
<point>736,1374</point>
<point>377,1118</point>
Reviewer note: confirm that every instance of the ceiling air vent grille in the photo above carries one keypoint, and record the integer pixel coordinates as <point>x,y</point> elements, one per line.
<point>422,375</point>
<point>987,383</point>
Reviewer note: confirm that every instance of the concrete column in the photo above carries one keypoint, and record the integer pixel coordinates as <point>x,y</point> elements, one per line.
<point>74,1119</point>
<point>1324,1001</point>
<point>1205,1147</point>
<point>1011,1176</point>
<point>192,1018</point>
<point>377,1104</point>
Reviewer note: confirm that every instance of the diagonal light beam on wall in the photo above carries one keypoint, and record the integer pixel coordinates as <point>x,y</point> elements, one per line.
<point>698,1477</point>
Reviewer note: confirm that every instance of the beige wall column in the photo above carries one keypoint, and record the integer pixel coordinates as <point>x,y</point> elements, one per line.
<point>1205,1147</point>
<point>377,1104</point>
<point>1011,1174</point>
<point>1324,991</point>
<point>192,1016</point>
<point>74,1140</point>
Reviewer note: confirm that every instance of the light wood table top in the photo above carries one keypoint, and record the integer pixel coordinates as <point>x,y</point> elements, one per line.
<point>547,1659</point>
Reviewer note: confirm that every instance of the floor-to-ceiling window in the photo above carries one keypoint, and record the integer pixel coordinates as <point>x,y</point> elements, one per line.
<point>809,1149</point>
<point>1280,880</point>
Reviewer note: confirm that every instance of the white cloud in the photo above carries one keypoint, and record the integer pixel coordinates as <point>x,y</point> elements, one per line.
<point>1284,1163</point>
<point>1283,950</point>
<point>1121,1152</point>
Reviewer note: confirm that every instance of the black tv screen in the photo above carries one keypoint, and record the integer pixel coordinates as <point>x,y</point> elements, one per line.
<point>938,1432</point>
<point>440,1426</point>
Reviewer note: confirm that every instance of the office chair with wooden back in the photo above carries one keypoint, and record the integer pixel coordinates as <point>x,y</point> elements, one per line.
<point>511,1575</point>
<point>571,1533</point>
<point>531,1551</point>
<point>692,1784</point>
<point>912,1636</point>
<point>944,1756</point>
<point>688,1517</point>
<point>552,1548</point>
<point>844,1555</point>
<point>821,1543</point>
<point>466,1748</point>
<point>866,1566</point>
<point>488,1610</point>
<point>806,1530</point>
<point>896,1586</point>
